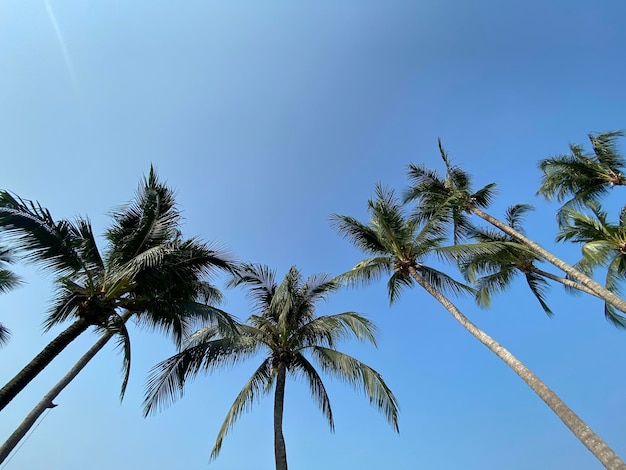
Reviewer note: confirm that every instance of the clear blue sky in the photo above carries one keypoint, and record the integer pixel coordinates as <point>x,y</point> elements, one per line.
<point>267,117</point>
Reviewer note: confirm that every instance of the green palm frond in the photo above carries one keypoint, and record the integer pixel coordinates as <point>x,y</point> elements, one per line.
<point>318,286</point>
<point>363,236</point>
<point>5,335</point>
<point>9,280</point>
<point>348,369</point>
<point>259,279</point>
<point>583,177</point>
<point>367,271</point>
<point>448,198</point>
<point>538,286</point>
<point>166,380</point>
<point>252,391</point>
<point>490,284</point>
<point>396,284</point>
<point>515,214</point>
<point>444,283</point>
<point>329,329</point>
<point>318,391</point>
<point>32,230</point>
<point>117,326</point>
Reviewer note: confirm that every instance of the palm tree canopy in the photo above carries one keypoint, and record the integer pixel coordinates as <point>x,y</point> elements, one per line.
<point>603,245</point>
<point>148,269</point>
<point>285,329</point>
<point>395,241</point>
<point>584,177</point>
<point>449,196</point>
<point>493,271</point>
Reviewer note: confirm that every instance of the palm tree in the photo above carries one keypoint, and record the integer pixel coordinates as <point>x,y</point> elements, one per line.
<point>285,327</point>
<point>209,295</point>
<point>452,198</point>
<point>604,244</point>
<point>397,245</point>
<point>148,270</point>
<point>8,281</point>
<point>583,176</point>
<point>491,271</point>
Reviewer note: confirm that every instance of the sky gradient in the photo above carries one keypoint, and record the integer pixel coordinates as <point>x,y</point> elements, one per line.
<point>268,117</point>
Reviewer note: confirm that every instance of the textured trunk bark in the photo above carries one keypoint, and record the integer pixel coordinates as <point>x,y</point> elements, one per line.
<point>280,451</point>
<point>591,440</point>
<point>39,363</point>
<point>583,279</point>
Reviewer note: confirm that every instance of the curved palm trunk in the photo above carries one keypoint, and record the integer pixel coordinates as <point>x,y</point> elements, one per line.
<point>280,451</point>
<point>591,440</point>
<point>39,363</point>
<point>46,401</point>
<point>566,282</point>
<point>586,281</point>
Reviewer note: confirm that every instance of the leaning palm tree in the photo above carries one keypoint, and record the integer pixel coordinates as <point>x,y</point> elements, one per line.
<point>452,198</point>
<point>604,244</point>
<point>285,328</point>
<point>208,294</point>
<point>493,270</point>
<point>397,246</point>
<point>148,270</point>
<point>8,281</point>
<point>584,177</point>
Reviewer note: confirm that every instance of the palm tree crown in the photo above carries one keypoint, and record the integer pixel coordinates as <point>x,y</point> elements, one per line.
<point>148,270</point>
<point>584,177</point>
<point>604,245</point>
<point>450,196</point>
<point>285,330</point>
<point>492,271</point>
<point>398,244</point>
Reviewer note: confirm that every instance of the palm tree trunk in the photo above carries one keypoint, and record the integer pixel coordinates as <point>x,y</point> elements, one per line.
<point>566,282</point>
<point>591,440</point>
<point>280,451</point>
<point>46,401</point>
<point>575,274</point>
<point>39,363</point>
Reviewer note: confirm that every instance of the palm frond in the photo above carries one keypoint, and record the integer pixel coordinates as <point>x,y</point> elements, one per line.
<point>363,236</point>
<point>167,379</point>
<point>32,230</point>
<point>329,329</point>
<point>252,390</point>
<point>348,369</point>
<point>396,284</point>
<point>5,335</point>
<point>538,286</point>
<point>367,271</point>
<point>444,283</point>
<point>259,280</point>
<point>318,391</point>
<point>490,284</point>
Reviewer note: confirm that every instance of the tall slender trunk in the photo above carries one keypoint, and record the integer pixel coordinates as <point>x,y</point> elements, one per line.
<point>39,363</point>
<point>575,274</point>
<point>46,401</point>
<point>591,440</point>
<point>280,451</point>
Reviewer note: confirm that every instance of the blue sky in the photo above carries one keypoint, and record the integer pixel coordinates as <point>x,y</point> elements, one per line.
<point>268,117</point>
